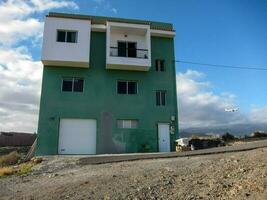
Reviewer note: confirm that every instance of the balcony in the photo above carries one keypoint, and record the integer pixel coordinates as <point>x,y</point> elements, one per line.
<point>128,46</point>
<point>129,52</point>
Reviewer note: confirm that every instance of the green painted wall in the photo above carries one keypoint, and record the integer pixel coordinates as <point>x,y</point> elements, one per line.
<point>100,99</point>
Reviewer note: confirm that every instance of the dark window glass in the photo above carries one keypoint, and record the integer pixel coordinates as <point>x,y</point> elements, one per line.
<point>163,96</point>
<point>78,85</point>
<point>71,36</point>
<point>132,49</point>
<point>132,87</point>
<point>122,49</point>
<point>157,65</point>
<point>158,98</point>
<point>160,65</point>
<point>61,36</point>
<point>122,87</point>
<point>67,85</point>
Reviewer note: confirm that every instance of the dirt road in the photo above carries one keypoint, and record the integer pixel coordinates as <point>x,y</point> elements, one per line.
<point>240,175</point>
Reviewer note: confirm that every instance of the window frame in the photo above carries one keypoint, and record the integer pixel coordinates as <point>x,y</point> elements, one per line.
<point>78,79</point>
<point>66,35</point>
<point>127,89</point>
<point>72,86</point>
<point>62,83</point>
<point>160,97</point>
<point>161,67</point>
<point>57,38</point>
<point>126,48</point>
<point>117,87</point>
<point>131,123</point>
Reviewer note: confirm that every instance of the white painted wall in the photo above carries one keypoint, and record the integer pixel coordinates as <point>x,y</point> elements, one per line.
<point>66,54</point>
<point>135,33</point>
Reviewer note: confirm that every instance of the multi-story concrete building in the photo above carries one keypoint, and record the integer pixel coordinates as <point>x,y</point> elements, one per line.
<point>109,86</point>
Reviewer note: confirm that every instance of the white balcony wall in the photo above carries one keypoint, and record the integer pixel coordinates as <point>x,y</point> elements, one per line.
<point>63,53</point>
<point>130,33</point>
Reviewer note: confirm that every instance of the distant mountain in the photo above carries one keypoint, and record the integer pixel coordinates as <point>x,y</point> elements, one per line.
<point>237,130</point>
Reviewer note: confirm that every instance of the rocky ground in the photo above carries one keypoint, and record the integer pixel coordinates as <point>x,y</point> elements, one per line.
<point>240,175</point>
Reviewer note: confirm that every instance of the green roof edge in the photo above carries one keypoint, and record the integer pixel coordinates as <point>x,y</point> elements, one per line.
<point>103,20</point>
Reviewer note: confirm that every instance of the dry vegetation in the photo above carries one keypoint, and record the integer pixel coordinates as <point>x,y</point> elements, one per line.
<point>10,164</point>
<point>4,171</point>
<point>9,159</point>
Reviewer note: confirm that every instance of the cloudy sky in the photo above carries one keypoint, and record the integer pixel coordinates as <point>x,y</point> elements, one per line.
<point>229,32</point>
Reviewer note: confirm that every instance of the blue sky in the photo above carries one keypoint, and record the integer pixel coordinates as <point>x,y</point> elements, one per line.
<point>226,32</point>
<point>229,32</point>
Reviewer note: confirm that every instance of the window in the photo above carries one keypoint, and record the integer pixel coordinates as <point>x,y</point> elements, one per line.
<point>123,123</point>
<point>132,87</point>
<point>71,36</point>
<point>67,85</point>
<point>131,49</point>
<point>61,35</point>
<point>122,47</point>
<point>67,36</point>
<point>72,85</point>
<point>161,98</point>
<point>127,49</point>
<point>122,87</point>
<point>78,85</point>
<point>160,65</point>
<point>127,87</point>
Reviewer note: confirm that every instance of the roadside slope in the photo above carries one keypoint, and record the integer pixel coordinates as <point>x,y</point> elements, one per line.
<point>239,175</point>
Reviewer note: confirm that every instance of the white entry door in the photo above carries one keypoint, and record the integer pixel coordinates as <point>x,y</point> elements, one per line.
<point>77,136</point>
<point>164,137</point>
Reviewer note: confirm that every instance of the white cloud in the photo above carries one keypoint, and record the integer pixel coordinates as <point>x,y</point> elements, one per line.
<point>103,6</point>
<point>20,74</point>
<point>20,83</point>
<point>258,114</point>
<point>114,10</point>
<point>10,33</point>
<point>199,107</point>
<point>16,23</point>
<point>42,5</point>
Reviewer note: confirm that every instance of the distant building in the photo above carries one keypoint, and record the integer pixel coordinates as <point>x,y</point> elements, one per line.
<point>108,86</point>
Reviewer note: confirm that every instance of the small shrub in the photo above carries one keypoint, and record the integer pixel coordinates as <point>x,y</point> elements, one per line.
<point>25,168</point>
<point>6,171</point>
<point>228,137</point>
<point>194,137</point>
<point>10,159</point>
<point>20,169</point>
<point>259,134</point>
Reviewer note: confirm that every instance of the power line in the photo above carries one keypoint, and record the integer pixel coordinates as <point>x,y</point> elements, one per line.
<point>222,66</point>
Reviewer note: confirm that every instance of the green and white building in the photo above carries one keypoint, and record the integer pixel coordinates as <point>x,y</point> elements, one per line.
<point>109,86</point>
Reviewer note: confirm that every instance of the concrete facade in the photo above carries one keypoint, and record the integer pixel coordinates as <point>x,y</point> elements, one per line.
<point>62,53</point>
<point>100,101</point>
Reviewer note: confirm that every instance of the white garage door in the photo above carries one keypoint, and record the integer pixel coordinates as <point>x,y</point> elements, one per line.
<point>77,136</point>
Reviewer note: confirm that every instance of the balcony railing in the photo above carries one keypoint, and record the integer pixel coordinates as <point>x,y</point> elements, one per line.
<point>129,52</point>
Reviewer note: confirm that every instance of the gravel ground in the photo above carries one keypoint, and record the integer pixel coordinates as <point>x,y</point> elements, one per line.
<point>239,175</point>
